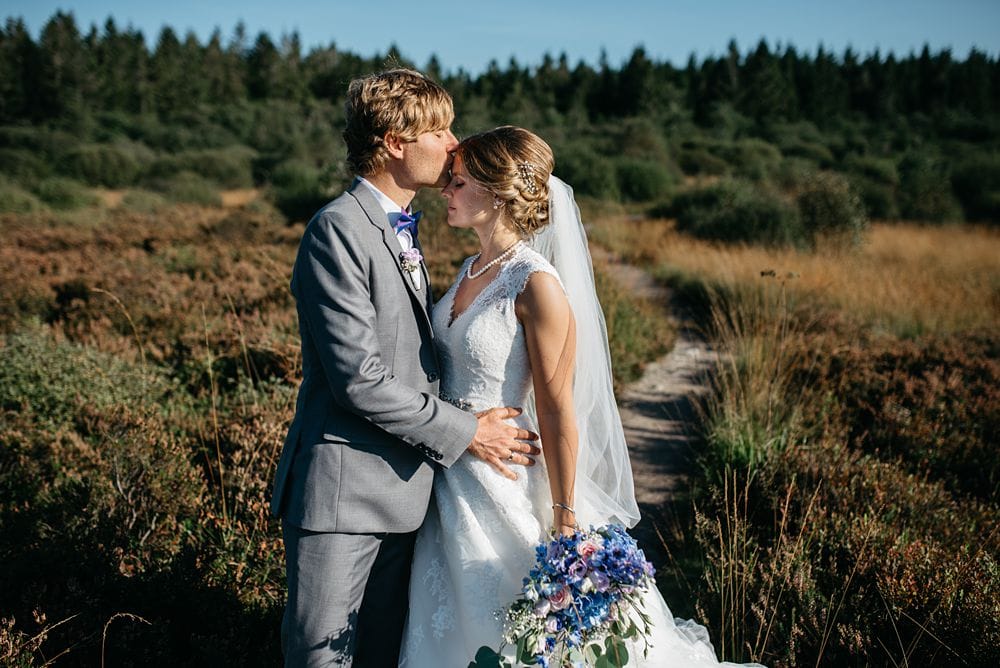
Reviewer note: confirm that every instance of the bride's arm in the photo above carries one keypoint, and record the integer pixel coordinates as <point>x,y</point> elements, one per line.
<point>550,334</point>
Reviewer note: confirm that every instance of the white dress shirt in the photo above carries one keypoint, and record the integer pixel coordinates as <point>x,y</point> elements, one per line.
<point>392,212</point>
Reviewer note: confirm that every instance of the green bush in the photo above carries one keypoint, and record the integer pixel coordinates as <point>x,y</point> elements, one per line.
<point>642,180</point>
<point>641,138</point>
<point>698,160</point>
<point>878,170</point>
<point>97,487</point>
<point>188,188</point>
<point>112,165</point>
<point>977,184</point>
<point>588,173</point>
<point>793,174</point>
<point>276,128</point>
<point>42,142</point>
<point>191,130</point>
<point>831,211</point>
<point>53,380</point>
<point>15,199</point>
<point>230,167</point>
<point>925,189</point>
<point>812,151</point>
<point>879,199</point>
<point>299,189</point>
<point>65,194</point>
<point>22,165</point>
<point>750,158</point>
<point>143,201</point>
<point>876,180</point>
<point>739,211</point>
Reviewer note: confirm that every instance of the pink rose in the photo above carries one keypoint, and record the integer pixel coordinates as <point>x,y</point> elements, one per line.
<point>588,548</point>
<point>561,599</point>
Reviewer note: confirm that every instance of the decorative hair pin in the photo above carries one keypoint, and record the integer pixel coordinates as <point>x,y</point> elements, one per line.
<point>526,171</point>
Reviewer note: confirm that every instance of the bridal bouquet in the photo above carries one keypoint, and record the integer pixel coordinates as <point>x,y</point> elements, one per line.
<point>580,603</point>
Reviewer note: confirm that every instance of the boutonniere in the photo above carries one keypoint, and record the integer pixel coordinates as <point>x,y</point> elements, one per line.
<point>410,260</point>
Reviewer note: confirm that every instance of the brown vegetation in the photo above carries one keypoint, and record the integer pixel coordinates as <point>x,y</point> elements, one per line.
<point>148,370</point>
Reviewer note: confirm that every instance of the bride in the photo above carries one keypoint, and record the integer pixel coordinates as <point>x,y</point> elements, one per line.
<point>521,326</point>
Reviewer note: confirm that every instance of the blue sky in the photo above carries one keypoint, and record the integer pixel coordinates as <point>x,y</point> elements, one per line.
<point>470,34</point>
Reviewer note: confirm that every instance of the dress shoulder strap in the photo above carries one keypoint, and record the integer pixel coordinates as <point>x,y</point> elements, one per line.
<point>522,266</point>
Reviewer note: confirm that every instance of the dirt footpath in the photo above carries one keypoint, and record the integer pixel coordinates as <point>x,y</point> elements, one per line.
<point>658,412</point>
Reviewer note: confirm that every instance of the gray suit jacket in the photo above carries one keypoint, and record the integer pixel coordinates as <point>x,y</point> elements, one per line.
<point>368,423</point>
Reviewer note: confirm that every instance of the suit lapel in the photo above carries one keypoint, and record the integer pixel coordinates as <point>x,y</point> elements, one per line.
<point>428,297</point>
<point>377,217</point>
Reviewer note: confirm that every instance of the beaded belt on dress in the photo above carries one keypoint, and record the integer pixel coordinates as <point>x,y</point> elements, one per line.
<point>458,403</point>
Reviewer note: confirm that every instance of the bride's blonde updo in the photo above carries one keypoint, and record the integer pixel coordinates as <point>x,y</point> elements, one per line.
<point>514,164</point>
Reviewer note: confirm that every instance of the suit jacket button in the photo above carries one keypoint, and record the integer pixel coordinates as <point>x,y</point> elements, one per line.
<point>432,376</point>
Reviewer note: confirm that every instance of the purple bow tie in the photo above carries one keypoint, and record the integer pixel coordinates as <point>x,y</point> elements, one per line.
<point>408,222</point>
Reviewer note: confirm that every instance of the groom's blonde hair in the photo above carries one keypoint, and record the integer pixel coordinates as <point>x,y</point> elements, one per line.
<point>398,101</point>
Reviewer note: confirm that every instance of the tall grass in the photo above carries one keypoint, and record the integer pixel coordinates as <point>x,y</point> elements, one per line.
<point>905,279</point>
<point>751,414</point>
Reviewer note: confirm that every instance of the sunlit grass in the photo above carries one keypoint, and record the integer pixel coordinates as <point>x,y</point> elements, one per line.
<point>906,279</point>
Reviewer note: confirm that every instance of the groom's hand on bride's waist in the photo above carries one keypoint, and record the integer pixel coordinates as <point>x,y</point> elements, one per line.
<point>501,444</point>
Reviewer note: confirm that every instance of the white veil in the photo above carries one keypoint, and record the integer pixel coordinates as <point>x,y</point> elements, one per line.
<point>604,488</point>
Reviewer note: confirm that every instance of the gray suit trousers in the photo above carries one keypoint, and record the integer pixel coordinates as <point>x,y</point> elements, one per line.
<point>348,596</point>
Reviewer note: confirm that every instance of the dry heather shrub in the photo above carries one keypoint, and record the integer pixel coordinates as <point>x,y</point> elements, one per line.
<point>870,536</point>
<point>19,649</point>
<point>933,403</point>
<point>832,558</point>
<point>142,483</point>
<point>244,551</point>
<point>89,428</point>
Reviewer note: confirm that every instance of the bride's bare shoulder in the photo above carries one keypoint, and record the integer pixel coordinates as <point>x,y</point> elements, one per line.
<point>542,298</point>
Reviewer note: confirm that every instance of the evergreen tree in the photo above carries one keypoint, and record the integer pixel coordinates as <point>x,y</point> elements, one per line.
<point>19,69</point>
<point>167,74</point>
<point>61,69</point>
<point>263,68</point>
<point>194,86</point>
<point>764,92</point>
<point>972,83</point>
<point>636,86</point>
<point>290,81</point>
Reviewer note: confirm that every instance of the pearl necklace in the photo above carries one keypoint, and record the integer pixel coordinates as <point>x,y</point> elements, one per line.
<point>486,267</point>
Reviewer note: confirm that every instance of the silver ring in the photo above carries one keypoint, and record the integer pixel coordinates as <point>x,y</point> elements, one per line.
<point>510,457</point>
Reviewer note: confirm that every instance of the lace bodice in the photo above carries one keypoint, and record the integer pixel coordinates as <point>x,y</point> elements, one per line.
<point>484,359</point>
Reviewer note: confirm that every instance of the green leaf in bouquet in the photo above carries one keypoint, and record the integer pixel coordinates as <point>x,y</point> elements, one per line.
<point>592,653</point>
<point>524,655</point>
<point>488,657</point>
<point>615,652</point>
<point>605,662</point>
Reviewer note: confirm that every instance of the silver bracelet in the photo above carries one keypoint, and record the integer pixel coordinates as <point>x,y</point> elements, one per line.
<point>564,507</point>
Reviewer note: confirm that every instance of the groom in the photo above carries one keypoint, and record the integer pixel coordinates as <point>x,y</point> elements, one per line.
<point>355,474</point>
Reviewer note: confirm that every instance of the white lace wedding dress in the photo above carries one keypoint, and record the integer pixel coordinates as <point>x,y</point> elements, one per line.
<point>477,543</point>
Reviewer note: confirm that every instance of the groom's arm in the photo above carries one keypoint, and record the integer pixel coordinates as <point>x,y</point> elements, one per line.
<point>333,292</point>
